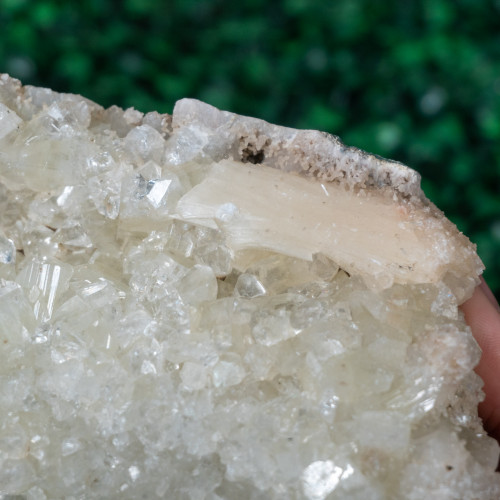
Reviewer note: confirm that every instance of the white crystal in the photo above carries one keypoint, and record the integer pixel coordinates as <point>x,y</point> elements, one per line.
<point>7,250</point>
<point>9,121</point>
<point>228,372</point>
<point>134,472</point>
<point>218,257</point>
<point>36,493</point>
<point>194,376</point>
<point>198,285</point>
<point>271,322</point>
<point>70,446</point>
<point>226,213</point>
<point>249,286</point>
<point>157,191</point>
<point>320,478</point>
<point>104,190</point>
<point>73,236</point>
<point>207,306</point>
<point>145,143</point>
<point>44,282</point>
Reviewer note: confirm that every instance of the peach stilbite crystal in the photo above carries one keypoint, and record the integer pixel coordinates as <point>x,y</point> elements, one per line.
<point>208,306</point>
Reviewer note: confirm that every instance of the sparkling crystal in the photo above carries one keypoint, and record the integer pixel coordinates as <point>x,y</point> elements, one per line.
<point>249,286</point>
<point>134,472</point>
<point>228,372</point>
<point>73,236</point>
<point>7,250</point>
<point>9,121</point>
<point>44,282</point>
<point>218,257</point>
<point>145,143</point>
<point>70,446</point>
<point>226,213</point>
<point>271,323</point>
<point>320,478</point>
<point>198,285</point>
<point>104,190</point>
<point>189,308</point>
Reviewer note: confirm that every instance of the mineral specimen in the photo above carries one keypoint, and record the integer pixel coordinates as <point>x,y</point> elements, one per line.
<point>207,306</point>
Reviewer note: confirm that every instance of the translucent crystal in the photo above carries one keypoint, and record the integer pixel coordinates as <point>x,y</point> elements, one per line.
<point>383,431</point>
<point>194,376</point>
<point>278,272</point>
<point>249,286</point>
<point>157,190</point>
<point>43,138</point>
<point>7,250</point>
<point>16,475</point>
<point>226,213</point>
<point>323,267</point>
<point>73,236</point>
<point>320,478</point>
<point>271,323</point>
<point>35,493</point>
<point>44,282</point>
<point>104,190</point>
<point>9,121</point>
<point>198,285</point>
<point>184,146</point>
<point>149,195</point>
<point>189,308</point>
<point>145,143</point>
<point>155,187</point>
<point>70,446</point>
<point>228,372</point>
<point>38,242</point>
<point>218,257</point>
<point>134,472</point>
<point>445,303</point>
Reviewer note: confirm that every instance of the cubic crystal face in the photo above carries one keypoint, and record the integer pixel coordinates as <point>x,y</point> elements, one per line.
<point>207,306</point>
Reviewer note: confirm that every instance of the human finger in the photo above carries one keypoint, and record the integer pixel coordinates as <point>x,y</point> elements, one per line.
<point>483,316</point>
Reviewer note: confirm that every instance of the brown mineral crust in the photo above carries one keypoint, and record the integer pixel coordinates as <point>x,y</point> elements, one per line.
<point>308,152</point>
<point>324,157</point>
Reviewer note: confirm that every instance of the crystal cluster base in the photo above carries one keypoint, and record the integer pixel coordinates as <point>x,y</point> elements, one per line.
<point>207,306</point>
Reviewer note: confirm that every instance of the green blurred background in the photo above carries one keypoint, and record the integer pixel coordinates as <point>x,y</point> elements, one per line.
<point>413,80</point>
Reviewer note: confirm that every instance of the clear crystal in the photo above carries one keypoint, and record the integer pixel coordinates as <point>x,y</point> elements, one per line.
<point>7,250</point>
<point>73,236</point>
<point>145,143</point>
<point>104,190</point>
<point>182,316</point>
<point>134,472</point>
<point>194,376</point>
<point>9,121</point>
<point>249,286</point>
<point>70,446</point>
<point>320,478</point>
<point>44,282</point>
<point>228,372</point>
<point>218,257</point>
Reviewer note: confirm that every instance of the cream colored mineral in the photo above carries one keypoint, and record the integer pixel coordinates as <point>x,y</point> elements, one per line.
<point>207,306</point>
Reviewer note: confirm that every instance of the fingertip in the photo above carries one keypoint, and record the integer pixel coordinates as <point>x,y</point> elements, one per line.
<point>489,294</point>
<point>483,317</point>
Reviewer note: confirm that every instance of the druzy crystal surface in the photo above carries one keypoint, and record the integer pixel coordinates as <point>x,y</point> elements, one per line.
<point>207,306</point>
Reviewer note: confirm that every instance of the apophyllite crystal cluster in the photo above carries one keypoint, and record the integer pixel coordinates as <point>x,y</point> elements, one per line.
<point>207,306</point>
